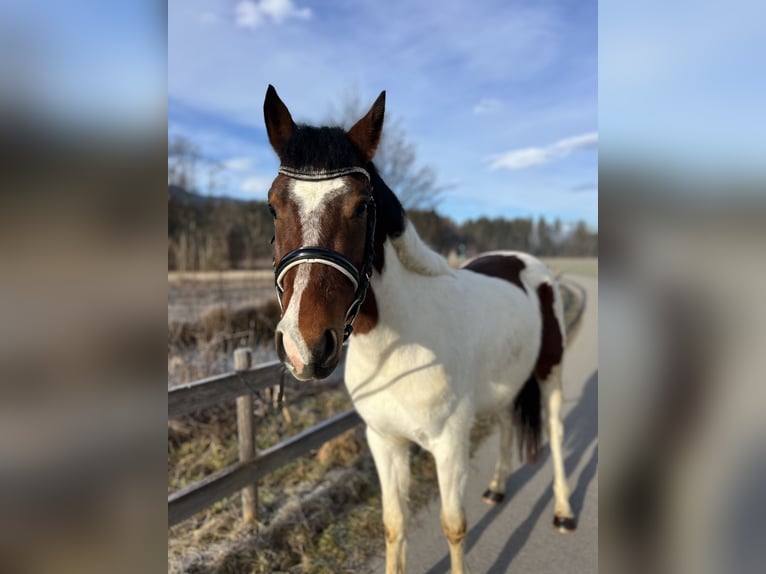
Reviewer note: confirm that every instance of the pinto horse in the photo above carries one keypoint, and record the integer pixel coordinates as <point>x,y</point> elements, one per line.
<point>431,347</point>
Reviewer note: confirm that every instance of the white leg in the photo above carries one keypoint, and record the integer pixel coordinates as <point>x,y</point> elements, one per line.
<point>392,459</point>
<point>496,490</point>
<point>552,398</point>
<point>452,468</point>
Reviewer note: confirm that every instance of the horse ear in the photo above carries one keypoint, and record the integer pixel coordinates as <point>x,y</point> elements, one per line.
<point>366,132</point>
<point>279,122</point>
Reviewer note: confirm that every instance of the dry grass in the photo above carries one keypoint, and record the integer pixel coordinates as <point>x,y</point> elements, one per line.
<point>206,442</point>
<point>319,514</point>
<point>203,348</point>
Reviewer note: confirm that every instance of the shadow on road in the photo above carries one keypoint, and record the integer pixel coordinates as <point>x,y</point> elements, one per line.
<point>581,427</point>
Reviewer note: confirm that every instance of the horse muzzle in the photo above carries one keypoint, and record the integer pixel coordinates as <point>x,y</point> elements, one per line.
<point>305,362</point>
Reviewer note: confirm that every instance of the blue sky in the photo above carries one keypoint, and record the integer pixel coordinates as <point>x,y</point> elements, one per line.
<point>500,98</point>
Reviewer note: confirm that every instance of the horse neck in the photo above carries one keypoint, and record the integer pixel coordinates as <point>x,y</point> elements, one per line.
<point>402,258</point>
<point>415,257</point>
<point>394,229</point>
<point>409,267</point>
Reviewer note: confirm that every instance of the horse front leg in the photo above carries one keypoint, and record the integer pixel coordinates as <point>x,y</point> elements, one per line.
<point>451,458</point>
<point>392,460</point>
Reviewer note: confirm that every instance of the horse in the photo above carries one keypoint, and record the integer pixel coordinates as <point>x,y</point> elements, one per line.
<point>430,347</point>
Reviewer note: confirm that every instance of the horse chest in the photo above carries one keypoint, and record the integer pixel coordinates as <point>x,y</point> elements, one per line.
<point>408,393</point>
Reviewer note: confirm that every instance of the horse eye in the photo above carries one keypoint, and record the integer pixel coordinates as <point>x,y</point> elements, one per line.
<point>361,209</point>
<point>272,211</point>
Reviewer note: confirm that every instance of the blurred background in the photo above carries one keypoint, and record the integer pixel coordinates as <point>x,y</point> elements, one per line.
<point>82,233</point>
<point>682,233</point>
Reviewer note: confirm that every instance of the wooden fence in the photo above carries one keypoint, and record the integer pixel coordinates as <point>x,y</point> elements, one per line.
<point>252,466</point>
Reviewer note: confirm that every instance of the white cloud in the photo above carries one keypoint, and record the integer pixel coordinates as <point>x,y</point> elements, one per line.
<point>533,156</point>
<point>238,164</point>
<point>256,185</point>
<point>487,106</point>
<point>251,14</point>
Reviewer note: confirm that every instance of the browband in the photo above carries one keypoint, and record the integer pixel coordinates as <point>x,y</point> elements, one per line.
<point>321,175</point>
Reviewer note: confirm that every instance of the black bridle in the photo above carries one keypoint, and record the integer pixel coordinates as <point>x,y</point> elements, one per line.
<point>360,278</point>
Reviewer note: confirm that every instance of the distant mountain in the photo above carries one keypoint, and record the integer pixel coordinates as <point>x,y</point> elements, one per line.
<point>179,194</point>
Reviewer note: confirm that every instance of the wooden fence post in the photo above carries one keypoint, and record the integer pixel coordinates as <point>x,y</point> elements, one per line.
<point>246,433</point>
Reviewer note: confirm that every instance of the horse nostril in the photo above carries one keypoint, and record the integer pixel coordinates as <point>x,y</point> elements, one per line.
<point>328,346</point>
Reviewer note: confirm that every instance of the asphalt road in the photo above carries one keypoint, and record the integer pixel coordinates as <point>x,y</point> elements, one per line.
<point>517,535</point>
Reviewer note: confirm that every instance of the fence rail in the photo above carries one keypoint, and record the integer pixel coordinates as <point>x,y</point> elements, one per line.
<point>186,502</point>
<point>252,466</point>
<point>185,399</point>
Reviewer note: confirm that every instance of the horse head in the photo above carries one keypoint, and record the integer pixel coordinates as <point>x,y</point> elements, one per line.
<point>324,226</point>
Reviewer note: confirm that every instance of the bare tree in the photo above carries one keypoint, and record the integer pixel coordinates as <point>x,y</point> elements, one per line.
<point>183,156</point>
<point>415,185</point>
<point>186,164</point>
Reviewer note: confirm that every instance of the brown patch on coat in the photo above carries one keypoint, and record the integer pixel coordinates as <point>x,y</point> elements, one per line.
<point>507,267</point>
<point>552,342</point>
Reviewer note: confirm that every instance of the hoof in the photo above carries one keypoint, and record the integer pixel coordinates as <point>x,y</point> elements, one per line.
<point>565,524</point>
<point>492,497</point>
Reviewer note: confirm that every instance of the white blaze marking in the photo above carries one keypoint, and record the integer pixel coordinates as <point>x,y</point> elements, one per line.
<point>311,197</point>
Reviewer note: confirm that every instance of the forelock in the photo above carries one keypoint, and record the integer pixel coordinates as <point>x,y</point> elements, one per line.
<point>320,149</point>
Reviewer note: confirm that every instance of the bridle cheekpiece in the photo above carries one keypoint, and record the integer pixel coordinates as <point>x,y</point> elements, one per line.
<point>359,278</point>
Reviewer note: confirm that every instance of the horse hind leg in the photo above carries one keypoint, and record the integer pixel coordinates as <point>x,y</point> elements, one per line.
<point>548,374</point>
<point>522,420</point>
<point>563,518</point>
<point>495,492</point>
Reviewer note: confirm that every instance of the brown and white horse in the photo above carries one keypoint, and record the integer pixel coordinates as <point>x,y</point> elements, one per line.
<point>432,346</point>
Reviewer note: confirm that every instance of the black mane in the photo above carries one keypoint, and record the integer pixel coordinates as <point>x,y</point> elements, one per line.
<point>318,149</point>
<point>390,211</point>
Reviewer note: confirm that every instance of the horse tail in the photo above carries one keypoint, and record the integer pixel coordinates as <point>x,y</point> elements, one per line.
<point>527,419</point>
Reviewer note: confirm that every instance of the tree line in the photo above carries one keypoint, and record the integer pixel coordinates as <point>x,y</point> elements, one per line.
<point>219,233</point>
